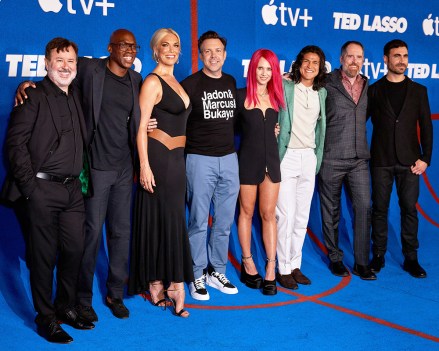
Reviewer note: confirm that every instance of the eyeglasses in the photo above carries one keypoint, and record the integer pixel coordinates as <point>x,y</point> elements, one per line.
<point>125,46</point>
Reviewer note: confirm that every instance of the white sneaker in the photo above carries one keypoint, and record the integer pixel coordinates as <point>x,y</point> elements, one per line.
<point>219,281</point>
<point>198,289</point>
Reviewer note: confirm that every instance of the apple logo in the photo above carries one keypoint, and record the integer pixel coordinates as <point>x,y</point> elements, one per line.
<point>269,13</point>
<point>427,26</point>
<point>50,5</point>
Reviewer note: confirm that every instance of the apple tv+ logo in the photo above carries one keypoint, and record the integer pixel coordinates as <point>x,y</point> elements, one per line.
<point>86,6</point>
<point>50,5</point>
<point>430,26</point>
<point>270,11</point>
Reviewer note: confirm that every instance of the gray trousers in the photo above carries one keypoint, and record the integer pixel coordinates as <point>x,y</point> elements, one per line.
<point>354,173</point>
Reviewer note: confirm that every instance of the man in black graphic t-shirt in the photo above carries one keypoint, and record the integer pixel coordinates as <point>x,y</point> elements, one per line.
<point>211,166</point>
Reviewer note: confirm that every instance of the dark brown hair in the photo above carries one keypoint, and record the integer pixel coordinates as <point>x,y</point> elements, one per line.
<point>210,34</point>
<point>60,44</point>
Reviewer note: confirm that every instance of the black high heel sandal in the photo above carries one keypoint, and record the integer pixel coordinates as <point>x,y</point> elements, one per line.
<point>252,281</point>
<point>162,303</point>
<point>269,286</point>
<point>174,304</point>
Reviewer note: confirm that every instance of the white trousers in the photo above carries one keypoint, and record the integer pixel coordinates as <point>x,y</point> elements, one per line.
<point>298,171</point>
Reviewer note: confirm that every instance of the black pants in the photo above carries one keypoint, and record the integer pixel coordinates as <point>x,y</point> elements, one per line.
<point>111,203</point>
<point>56,238</point>
<point>407,188</point>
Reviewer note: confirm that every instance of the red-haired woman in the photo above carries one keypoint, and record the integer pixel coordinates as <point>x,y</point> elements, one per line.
<point>259,164</point>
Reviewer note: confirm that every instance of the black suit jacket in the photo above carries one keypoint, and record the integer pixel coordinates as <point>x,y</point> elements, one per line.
<point>90,79</point>
<point>400,132</point>
<point>33,133</point>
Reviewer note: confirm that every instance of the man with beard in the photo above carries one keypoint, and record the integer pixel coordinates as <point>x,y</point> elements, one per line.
<point>44,144</point>
<point>397,106</point>
<point>345,160</point>
<point>110,100</point>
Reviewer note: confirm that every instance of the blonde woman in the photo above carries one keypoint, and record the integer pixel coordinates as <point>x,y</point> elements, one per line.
<point>160,247</point>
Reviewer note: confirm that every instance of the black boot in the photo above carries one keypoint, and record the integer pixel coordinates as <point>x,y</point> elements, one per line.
<point>364,272</point>
<point>377,263</point>
<point>414,268</point>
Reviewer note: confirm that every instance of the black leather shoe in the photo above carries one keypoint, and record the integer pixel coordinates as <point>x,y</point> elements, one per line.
<point>414,268</point>
<point>71,317</point>
<point>364,272</point>
<point>53,332</point>
<point>377,263</point>
<point>252,281</point>
<point>117,307</point>
<point>87,312</point>
<point>338,269</point>
<point>269,287</point>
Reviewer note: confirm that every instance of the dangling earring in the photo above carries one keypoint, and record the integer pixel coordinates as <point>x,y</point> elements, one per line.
<point>156,57</point>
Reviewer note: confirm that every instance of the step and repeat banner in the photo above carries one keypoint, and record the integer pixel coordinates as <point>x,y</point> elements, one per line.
<point>284,26</point>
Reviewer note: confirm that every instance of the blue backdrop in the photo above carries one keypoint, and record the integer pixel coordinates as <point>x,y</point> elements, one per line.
<point>282,26</point>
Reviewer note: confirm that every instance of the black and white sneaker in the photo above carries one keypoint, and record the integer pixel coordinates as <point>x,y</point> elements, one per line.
<point>219,281</point>
<point>198,289</point>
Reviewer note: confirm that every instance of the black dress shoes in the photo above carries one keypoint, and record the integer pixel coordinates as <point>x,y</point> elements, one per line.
<point>86,312</point>
<point>71,317</point>
<point>414,268</point>
<point>53,332</point>
<point>338,269</point>
<point>377,263</point>
<point>364,272</point>
<point>117,307</point>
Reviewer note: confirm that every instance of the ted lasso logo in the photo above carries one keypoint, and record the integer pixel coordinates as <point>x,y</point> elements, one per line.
<point>84,6</point>
<point>430,26</point>
<point>288,15</point>
<point>385,24</point>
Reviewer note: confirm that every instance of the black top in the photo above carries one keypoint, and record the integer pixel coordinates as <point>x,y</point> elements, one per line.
<point>258,153</point>
<point>396,93</point>
<point>65,159</point>
<point>210,127</point>
<point>170,107</point>
<point>110,149</point>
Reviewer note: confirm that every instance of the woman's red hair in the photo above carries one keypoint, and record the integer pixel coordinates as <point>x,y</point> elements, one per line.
<point>274,86</point>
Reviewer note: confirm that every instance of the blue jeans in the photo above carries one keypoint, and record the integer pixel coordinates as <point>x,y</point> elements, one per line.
<point>216,180</point>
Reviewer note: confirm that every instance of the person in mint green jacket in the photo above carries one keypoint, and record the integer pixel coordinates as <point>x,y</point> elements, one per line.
<point>301,140</point>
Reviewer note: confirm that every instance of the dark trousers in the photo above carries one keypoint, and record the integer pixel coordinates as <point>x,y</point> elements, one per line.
<point>355,174</point>
<point>407,188</point>
<point>56,238</point>
<point>111,203</point>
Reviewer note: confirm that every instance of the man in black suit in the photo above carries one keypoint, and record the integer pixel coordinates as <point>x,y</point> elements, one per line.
<point>110,90</point>
<point>397,106</point>
<point>44,144</point>
<point>345,160</point>
<point>110,100</point>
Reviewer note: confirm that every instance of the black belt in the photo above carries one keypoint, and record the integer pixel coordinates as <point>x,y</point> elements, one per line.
<point>53,178</point>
